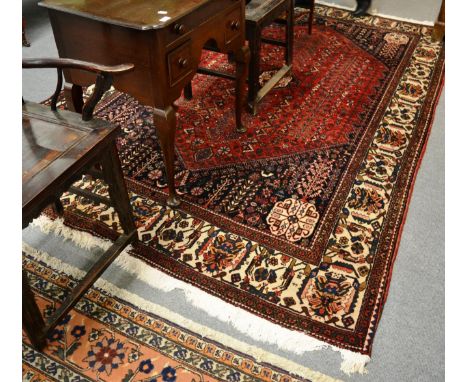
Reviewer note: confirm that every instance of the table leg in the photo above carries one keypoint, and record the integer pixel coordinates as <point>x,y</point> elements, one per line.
<point>242,58</point>
<point>73,97</point>
<point>165,123</point>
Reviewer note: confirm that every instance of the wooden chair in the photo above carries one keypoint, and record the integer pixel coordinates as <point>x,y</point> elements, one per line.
<point>58,148</point>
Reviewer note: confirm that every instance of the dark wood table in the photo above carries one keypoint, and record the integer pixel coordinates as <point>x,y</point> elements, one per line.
<point>162,38</point>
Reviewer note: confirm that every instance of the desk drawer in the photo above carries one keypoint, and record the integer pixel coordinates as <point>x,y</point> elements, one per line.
<point>179,62</point>
<point>233,25</point>
<point>182,28</point>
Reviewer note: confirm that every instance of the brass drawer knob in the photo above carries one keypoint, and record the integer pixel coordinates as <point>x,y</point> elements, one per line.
<point>235,25</point>
<point>183,62</point>
<point>180,28</point>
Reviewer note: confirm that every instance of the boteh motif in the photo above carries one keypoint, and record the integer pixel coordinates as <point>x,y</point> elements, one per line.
<point>293,219</point>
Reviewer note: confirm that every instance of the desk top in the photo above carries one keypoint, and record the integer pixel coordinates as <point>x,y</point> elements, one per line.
<point>137,14</point>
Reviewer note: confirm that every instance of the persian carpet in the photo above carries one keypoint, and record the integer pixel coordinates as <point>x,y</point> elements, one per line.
<point>108,338</point>
<point>298,220</point>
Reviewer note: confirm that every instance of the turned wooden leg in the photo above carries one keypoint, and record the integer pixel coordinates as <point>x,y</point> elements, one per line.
<point>188,94</point>
<point>33,323</point>
<point>73,97</point>
<point>165,122</point>
<point>242,58</point>
<point>113,175</point>
<point>289,34</point>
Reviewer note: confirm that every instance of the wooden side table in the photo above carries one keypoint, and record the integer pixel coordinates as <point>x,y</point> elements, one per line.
<point>164,39</point>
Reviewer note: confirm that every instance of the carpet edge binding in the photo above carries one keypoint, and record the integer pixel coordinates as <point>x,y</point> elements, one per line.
<point>245,322</point>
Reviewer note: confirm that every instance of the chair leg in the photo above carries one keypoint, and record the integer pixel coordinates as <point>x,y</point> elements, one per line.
<point>311,15</point>
<point>113,176</point>
<point>289,34</point>
<point>33,323</point>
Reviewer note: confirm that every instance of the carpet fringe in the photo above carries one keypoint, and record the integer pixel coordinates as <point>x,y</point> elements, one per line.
<point>258,354</point>
<point>247,323</point>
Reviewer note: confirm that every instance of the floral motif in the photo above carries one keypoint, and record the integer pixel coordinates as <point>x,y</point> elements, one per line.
<point>78,331</point>
<point>293,218</point>
<point>106,355</point>
<point>366,200</point>
<point>169,374</point>
<point>223,252</point>
<point>413,91</point>
<point>56,335</point>
<point>330,295</point>
<point>146,366</point>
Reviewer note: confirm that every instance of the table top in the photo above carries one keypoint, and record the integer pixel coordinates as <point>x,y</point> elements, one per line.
<point>137,14</point>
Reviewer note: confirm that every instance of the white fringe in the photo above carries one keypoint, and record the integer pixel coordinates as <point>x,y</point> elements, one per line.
<point>258,354</point>
<point>255,327</point>
<point>374,12</point>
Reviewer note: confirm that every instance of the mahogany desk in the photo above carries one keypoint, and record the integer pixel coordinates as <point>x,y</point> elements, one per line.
<point>162,38</point>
